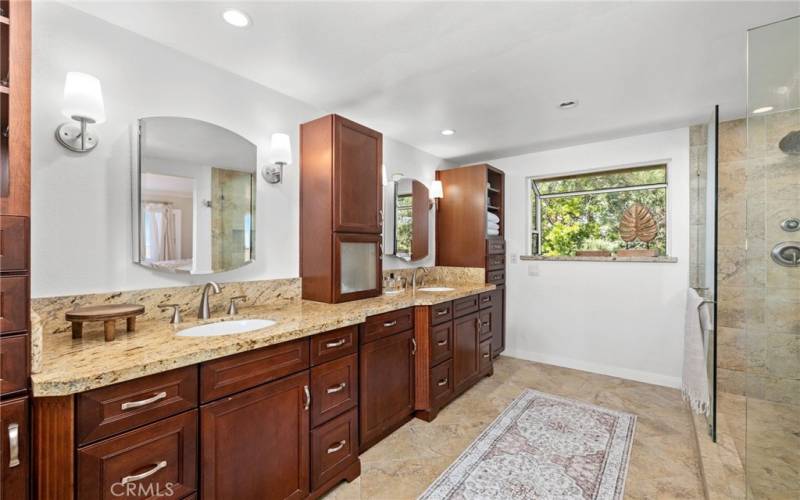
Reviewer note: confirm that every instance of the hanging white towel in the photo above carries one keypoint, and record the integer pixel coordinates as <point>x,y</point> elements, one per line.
<point>695,377</point>
<point>492,217</point>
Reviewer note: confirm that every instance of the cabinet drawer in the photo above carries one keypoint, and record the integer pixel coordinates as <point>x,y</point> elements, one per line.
<point>441,313</point>
<point>13,364</point>
<point>465,305</point>
<point>334,388</point>
<point>13,244</point>
<point>383,325</point>
<point>486,355</point>
<point>488,299</point>
<point>14,436</point>
<point>14,308</point>
<point>334,446</point>
<point>495,246</point>
<point>334,344</point>
<point>441,342</point>
<point>159,459</point>
<point>496,277</point>
<point>485,316</point>
<point>495,261</point>
<point>441,383</point>
<point>120,407</point>
<point>225,376</point>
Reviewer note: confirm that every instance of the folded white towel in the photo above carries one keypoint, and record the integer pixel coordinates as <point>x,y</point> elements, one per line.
<point>492,225</point>
<point>493,232</point>
<point>695,378</point>
<point>492,217</point>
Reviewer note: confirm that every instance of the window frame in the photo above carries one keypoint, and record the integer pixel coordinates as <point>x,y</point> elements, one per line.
<point>530,187</point>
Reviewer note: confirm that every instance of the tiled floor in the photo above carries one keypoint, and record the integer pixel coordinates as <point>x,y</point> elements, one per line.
<point>663,465</point>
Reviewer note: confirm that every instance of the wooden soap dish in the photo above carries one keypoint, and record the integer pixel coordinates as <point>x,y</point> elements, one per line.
<point>108,314</point>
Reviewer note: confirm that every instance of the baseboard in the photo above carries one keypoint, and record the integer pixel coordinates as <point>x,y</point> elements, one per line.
<point>613,371</point>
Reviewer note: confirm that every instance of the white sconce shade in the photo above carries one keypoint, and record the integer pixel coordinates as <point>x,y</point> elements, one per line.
<point>436,190</point>
<point>280,149</point>
<point>83,98</point>
<point>384,177</point>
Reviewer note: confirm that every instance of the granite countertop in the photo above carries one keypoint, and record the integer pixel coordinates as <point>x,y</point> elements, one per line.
<point>70,366</point>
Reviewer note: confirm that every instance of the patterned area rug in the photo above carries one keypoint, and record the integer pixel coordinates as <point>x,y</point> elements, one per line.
<point>547,447</point>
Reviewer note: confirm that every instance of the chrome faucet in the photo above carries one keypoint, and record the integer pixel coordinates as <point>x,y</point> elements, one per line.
<point>414,277</point>
<point>204,312</point>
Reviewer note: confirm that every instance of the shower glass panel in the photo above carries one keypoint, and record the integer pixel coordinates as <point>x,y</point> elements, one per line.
<point>772,263</point>
<point>708,315</point>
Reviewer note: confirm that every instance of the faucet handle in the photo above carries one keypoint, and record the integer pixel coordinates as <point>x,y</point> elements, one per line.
<point>176,312</point>
<point>232,307</point>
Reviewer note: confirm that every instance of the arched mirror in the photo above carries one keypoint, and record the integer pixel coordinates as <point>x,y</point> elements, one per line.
<point>194,198</point>
<point>406,224</point>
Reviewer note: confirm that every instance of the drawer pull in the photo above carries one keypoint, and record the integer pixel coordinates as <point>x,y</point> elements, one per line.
<point>442,382</point>
<point>338,388</point>
<point>413,346</point>
<point>157,467</point>
<point>390,323</point>
<point>13,445</point>
<point>308,397</point>
<point>486,355</point>
<point>486,299</point>
<point>144,402</point>
<point>338,446</point>
<point>335,343</point>
<point>443,312</point>
<point>442,342</point>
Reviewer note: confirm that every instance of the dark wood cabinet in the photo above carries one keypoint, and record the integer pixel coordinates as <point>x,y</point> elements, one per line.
<point>14,309</point>
<point>386,386</point>
<point>499,321</point>
<point>14,449</point>
<point>334,388</point>
<point>155,461</point>
<point>13,364</point>
<point>334,446</point>
<point>255,444</point>
<point>466,339</point>
<point>14,244</point>
<point>340,210</point>
<point>334,344</point>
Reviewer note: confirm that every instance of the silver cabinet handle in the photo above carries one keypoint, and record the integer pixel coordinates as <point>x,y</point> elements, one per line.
<point>335,343</point>
<point>477,324</point>
<point>308,397</point>
<point>442,342</point>
<point>337,388</point>
<point>486,299</point>
<point>390,323</point>
<point>144,402</point>
<point>13,445</point>
<point>443,312</point>
<point>413,346</point>
<point>442,382</point>
<point>486,355</point>
<point>157,467</point>
<point>338,446</point>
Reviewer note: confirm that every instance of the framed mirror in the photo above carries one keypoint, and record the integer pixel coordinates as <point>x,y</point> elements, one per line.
<point>406,227</point>
<point>194,197</point>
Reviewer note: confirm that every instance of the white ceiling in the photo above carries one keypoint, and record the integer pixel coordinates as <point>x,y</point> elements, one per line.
<point>493,71</point>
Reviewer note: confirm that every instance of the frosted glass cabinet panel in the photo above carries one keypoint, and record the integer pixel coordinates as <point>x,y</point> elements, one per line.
<point>358,264</point>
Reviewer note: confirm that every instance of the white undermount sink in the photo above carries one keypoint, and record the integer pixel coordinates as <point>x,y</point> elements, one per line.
<point>226,328</point>
<point>435,289</point>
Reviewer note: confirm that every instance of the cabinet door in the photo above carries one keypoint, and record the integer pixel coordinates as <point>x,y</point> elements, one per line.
<point>499,319</point>
<point>357,266</point>
<point>386,384</point>
<point>14,445</point>
<point>357,178</point>
<point>466,332</point>
<point>255,444</point>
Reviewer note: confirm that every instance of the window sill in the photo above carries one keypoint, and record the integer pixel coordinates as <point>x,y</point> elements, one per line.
<point>569,258</point>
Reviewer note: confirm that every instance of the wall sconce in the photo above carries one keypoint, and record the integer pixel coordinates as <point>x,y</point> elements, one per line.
<point>384,177</point>
<point>437,192</point>
<point>83,102</point>
<point>280,155</point>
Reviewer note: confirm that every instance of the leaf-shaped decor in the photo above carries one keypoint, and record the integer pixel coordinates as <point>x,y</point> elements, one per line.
<point>637,221</point>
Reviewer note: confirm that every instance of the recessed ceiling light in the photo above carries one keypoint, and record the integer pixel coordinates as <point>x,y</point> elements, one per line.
<point>236,18</point>
<point>765,109</point>
<point>448,131</point>
<point>568,104</point>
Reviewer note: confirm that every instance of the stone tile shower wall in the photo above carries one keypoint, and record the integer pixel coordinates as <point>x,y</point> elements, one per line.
<point>759,302</point>
<point>698,159</point>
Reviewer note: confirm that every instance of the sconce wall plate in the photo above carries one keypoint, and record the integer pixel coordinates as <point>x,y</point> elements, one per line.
<point>273,174</point>
<point>76,137</point>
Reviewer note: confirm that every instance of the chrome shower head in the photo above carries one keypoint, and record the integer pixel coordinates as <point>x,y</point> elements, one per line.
<point>790,144</point>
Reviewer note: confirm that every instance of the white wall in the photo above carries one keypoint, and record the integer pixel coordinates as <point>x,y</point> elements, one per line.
<point>81,208</point>
<point>618,318</point>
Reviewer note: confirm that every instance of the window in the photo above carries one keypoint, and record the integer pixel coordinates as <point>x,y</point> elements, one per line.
<point>582,212</point>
